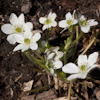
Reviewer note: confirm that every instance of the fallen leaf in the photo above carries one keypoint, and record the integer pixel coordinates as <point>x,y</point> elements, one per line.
<point>27,85</point>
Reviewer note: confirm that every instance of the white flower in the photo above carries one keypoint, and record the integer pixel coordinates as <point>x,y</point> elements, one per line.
<point>28,40</point>
<point>53,53</point>
<point>53,56</point>
<point>70,20</point>
<point>85,25</point>
<point>84,66</point>
<point>17,26</point>
<point>48,21</point>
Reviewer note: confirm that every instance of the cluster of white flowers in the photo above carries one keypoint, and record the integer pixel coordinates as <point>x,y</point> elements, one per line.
<point>20,32</point>
<point>53,59</point>
<point>85,25</point>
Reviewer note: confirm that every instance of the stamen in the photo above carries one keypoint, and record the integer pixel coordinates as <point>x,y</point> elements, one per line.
<point>69,22</point>
<point>27,41</point>
<point>84,23</point>
<point>18,29</point>
<point>48,21</point>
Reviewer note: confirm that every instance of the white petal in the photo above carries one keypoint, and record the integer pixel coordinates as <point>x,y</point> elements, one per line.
<point>92,22</point>
<point>92,58</point>
<point>75,22</point>
<point>74,13</point>
<point>21,19</point>
<point>51,55</point>
<point>26,48</point>
<point>10,39</point>
<point>82,75</point>
<point>52,16</point>
<point>42,20</point>
<point>59,55</point>
<point>28,25</point>
<point>28,34</point>
<point>13,19</point>
<point>34,46</point>
<point>36,37</point>
<point>44,27</point>
<point>55,49</point>
<point>7,28</point>
<point>63,30</point>
<point>79,15</point>
<point>63,24</point>
<point>93,66</point>
<point>74,76</point>
<point>54,23</point>
<point>19,47</point>
<point>69,16</point>
<point>18,38</point>
<point>49,25</point>
<point>85,29</point>
<point>53,72</point>
<point>82,60</point>
<point>57,64</point>
<point>70,68</point>
<point>82,17</point>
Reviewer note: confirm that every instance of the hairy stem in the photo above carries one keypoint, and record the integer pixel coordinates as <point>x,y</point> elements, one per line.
<point>38,55</point>
<point>27,53</point>
<point>66,47</point>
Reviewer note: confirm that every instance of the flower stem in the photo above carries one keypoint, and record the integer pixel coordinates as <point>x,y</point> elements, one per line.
<point>38,55</point>
<point>47,35</point>
<point>27,53</point>
<point>74,50</point>
<point>37,70</point>
<point>96,81</point>
<point>76,39</point>
<point>66,47</point>
<point>69,90</point>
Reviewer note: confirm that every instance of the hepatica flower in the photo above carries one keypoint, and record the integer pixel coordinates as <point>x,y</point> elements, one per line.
<point>17,25</point>
<point>84,66</point>
<point>70,20</point>
<point>53,57</point>
<point>86,24</point>
<point>53,53</point>
<point>48,21</point>
<point>26,41</point>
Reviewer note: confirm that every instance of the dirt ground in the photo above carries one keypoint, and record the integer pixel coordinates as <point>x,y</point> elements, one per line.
<point>15,64</point>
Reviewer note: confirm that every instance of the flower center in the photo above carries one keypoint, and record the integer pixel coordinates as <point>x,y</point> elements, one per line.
<point>48,21</point>
<point>18,29</point>
<point>27,41</point>
<point>69,22</point>
<point>83,68</point>
<point>84,23</point>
